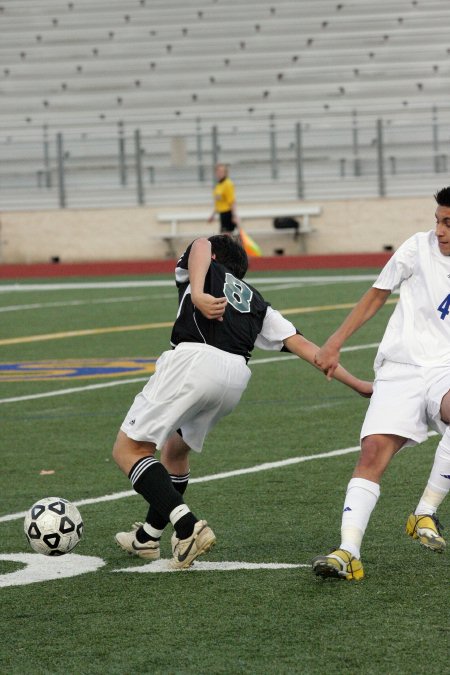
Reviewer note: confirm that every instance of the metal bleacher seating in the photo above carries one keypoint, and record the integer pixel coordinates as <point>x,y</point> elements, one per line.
<point>97,70</point>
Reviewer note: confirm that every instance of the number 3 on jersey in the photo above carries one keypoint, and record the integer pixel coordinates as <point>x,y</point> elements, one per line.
<point>444,307</point>
<point>238,294</point>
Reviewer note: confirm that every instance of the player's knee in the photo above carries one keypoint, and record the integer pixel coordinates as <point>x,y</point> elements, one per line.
<point>369,453</point>
<point>375,454</point>
<point>120,449</point>
<point>126,452</point>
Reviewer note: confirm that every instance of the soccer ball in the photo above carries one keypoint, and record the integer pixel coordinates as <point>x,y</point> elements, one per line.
<point>53,526</point>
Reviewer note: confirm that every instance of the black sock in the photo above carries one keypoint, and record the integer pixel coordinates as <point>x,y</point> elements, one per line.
<point>154,518</point>
<point>185,526</point>
<point>151,480</point>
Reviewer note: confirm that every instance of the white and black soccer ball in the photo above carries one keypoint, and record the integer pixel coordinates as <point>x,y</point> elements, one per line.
<point>53,526</point>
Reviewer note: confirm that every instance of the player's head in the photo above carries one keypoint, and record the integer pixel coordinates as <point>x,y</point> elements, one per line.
<point>442,215</point>
<point>230,254</point>
<point>442,197</point>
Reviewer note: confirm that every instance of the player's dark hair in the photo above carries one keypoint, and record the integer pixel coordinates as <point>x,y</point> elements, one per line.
<point>230,254</point>
<point>443,197</point>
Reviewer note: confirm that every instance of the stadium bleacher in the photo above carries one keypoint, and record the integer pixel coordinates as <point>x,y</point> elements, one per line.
<point>94,71</point>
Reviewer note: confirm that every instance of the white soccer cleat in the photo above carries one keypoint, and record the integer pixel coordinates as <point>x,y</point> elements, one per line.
<point>185,551</point>
<point>129,543</point>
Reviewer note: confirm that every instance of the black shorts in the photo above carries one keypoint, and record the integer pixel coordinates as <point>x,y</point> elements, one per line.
<point>226,221</point>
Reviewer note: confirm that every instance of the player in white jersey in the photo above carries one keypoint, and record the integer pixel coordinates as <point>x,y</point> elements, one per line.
<point>411,389</point>
<point>220,320</point>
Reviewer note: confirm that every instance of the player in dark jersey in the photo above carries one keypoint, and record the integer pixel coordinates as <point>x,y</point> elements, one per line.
<point>220,320</point>
<point>238,330</point>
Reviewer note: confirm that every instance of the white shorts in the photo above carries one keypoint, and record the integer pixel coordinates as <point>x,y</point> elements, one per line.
<point>406,401</point>
<point>193,387</point>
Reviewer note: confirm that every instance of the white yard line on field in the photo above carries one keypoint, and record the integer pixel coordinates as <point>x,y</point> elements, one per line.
<point>72,390</point>
<point>314,281</point>
<point>206,479</point>
<point>117,383</point>
<point>76,303</point>
<point>157,283</point>
<point>266,466</point>
<point>158,566</point>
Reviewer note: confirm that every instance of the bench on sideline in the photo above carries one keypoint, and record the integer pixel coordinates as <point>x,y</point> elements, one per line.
<point>302,212</point>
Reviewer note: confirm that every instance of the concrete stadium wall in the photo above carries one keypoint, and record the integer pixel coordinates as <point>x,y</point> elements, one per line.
<point>347,226</point>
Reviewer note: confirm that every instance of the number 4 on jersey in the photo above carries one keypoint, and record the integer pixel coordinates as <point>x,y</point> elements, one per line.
<point>444,307</point>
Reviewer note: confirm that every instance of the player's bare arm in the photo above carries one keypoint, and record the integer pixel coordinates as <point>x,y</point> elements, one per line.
<point>306,350</point>
<point>327,358</point>
<point>198,266</point>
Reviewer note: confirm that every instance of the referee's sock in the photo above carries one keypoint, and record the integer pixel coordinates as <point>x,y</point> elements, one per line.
<point>151,480</point>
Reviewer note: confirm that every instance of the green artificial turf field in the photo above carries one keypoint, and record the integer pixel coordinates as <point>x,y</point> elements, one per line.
<point>59,416</point>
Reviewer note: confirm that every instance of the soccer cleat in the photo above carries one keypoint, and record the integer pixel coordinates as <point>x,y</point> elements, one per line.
<point>339,564</point>
<point>185,551</point>
<point>128,542</point>
<point>427,529</point>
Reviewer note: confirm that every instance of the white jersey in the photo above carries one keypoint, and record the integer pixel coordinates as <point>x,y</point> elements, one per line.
<point>418,331</point>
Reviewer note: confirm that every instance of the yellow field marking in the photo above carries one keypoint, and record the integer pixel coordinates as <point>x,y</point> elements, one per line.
<point>81,333</point>
<point>164,324</point>
<point>327,308</point>
<point>74,369</point>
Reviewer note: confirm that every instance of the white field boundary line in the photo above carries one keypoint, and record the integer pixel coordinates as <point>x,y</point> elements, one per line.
<point>266,466</point>
<point>118,383</point>
<point>157,283</point>
<point>147,298</point>
<point>77,303</point>
<point>159,566</point>
<point>72,390</point>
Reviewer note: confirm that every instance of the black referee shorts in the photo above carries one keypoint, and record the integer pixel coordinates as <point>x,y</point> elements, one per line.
<point>226,222</point>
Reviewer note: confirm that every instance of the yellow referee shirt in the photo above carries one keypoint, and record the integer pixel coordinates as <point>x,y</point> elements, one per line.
<point>224,196</point>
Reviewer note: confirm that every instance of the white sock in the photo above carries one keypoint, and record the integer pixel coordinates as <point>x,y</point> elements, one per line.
<point>439,481</point>
<point>178,512</point>
<point>360,500</point>
<point>152,531</point>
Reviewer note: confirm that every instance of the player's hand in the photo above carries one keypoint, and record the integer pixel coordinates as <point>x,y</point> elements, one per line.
<point>209,306</point>
<point>327,359</point>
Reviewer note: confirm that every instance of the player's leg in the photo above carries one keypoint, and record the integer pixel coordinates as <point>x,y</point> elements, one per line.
<point>151,479</point>
<point>175,457</point>
<point>423,524</point>
<point>222,378</point>
<point>184,384</point>
<point>396,417</point>
<point>363,489</point>
<point>145,536</point>
<point>361,497</point>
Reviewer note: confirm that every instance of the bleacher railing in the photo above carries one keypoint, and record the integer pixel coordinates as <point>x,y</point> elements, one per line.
<point>289,161</point>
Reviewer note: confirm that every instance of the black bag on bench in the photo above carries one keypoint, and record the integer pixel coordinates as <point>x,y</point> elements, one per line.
<point>287,223</point>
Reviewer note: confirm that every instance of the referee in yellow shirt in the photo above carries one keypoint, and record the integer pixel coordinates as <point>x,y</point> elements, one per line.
<point>224,201</point>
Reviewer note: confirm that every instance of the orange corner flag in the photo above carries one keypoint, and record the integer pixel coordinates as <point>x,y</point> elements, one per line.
<point>249,245</point>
